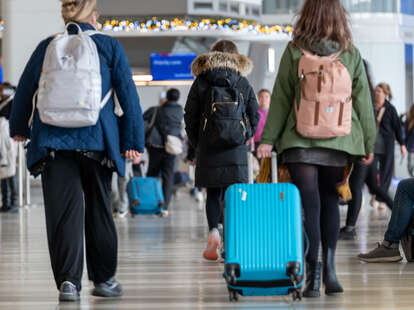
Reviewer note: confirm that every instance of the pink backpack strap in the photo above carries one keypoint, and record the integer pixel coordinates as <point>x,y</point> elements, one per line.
<point>305,52</point>
<point>336,55</point>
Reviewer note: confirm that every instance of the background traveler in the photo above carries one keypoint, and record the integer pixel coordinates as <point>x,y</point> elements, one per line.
<point>363,174</point>
<point>409,139</point>
<point>168,121</point>
<point>389,130</point>
<point>388,250</point>
<point>119,197</point>
<point>264,103</point>
<point>317,165</point>
<point>76,164</point>
<point>8,152</point>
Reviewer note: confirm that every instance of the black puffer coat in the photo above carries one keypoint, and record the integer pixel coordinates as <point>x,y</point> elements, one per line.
<point>219,168</point>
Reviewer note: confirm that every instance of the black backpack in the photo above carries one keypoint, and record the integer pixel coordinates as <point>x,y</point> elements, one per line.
<point>224,123</point>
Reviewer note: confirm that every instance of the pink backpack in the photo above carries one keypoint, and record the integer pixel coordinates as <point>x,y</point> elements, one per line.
<point>325,109</point>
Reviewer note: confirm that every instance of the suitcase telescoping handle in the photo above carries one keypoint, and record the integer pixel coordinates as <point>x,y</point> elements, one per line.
<point>250,160</point>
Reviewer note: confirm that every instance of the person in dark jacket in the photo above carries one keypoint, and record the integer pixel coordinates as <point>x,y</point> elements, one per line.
<point>409,139</point>
<point>218,167</point>
<point>168,121</point>
<point>76,164</point>
<point>389,131</point>
<point>363,174</point>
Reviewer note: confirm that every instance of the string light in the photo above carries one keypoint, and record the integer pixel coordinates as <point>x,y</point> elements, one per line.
<point>162,25</point>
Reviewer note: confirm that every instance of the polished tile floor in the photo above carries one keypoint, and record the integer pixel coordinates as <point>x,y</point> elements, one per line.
<point>160,267</point>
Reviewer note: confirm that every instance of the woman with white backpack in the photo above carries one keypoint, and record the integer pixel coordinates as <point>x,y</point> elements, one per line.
<point>65,106</point>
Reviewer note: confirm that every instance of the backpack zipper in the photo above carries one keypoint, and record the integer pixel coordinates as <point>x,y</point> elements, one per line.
<point>244,128</point>
<point>205,124</point>
<point>213,106</point>
<point>320,78</point>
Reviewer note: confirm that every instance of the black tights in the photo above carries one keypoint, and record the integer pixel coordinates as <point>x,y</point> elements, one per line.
<point>320,204</point>
<point>214,210</point>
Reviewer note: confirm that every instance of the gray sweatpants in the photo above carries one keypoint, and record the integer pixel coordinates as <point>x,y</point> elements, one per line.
<point>119,197</point>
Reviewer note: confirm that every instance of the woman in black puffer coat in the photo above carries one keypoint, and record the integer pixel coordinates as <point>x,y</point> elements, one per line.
<point>219,167</point>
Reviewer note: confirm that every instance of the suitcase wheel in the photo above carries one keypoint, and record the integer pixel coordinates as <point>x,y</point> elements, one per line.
<point>233,295</point>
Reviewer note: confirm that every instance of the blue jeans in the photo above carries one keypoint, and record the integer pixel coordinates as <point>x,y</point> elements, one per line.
<point>401,212</point>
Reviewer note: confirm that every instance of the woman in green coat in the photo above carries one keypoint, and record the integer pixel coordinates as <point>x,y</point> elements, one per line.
<point>316,165</point>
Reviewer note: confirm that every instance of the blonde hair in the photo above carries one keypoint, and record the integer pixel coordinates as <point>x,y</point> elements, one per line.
<point>78,10</point>
<point>386,89</point>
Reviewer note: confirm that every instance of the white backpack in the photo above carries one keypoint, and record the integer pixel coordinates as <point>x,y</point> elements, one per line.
<point>70,86</point>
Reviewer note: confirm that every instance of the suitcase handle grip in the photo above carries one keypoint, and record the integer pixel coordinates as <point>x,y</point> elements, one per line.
<point>250,159</point>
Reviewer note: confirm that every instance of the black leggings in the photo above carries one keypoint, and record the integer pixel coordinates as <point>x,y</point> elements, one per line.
<point>214,210</point>
<point>320,204</point>
<point>368,175</point>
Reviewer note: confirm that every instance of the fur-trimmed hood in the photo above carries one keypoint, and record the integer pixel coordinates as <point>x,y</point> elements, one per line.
<point>215,60</point>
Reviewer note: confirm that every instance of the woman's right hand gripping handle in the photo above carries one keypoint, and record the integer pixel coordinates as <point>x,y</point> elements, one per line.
<point>265,151</point>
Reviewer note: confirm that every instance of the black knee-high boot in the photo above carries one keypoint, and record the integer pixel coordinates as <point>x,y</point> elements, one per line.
<point>332,285</point>
<point>313,280</point>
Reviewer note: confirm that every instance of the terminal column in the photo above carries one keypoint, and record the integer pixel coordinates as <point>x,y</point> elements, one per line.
<point>26,23</point>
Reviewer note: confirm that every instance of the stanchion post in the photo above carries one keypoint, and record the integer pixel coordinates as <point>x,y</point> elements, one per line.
<point>21,167</point>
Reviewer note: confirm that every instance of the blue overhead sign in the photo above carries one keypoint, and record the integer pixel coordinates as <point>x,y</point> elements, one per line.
<point>407,7</point>
<point>172,66</point>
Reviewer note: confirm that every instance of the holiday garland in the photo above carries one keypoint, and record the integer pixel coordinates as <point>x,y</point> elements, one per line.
<point>163,25</point>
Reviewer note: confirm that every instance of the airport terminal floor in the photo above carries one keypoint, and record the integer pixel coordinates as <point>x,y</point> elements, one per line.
<point>161,267</point>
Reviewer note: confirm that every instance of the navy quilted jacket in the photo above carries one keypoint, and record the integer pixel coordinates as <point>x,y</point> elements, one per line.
<point>111,134</point>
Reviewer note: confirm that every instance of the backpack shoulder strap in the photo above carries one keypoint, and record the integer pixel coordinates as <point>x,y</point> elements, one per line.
<point>305,52</point>
<point>72,23</point>
<point>94,32</point>
<point>6,102</point>
<point>154,117</point>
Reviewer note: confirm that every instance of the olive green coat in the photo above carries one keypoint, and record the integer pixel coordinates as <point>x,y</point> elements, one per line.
<point>280,128</point>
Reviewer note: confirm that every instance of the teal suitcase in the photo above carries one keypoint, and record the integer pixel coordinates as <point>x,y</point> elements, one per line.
<point>263,240</point>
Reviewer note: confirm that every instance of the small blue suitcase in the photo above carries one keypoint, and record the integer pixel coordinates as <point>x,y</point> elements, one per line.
<point>263,240</point>
<point>145,196</point>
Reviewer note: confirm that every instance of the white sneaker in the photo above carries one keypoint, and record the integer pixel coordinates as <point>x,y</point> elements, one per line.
<point>213,246</point>
<point>164,213</point>
<point>122,214</point>
<point>199,197</point>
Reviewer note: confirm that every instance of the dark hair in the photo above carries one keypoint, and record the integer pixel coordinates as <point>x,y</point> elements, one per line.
<point>225,46</point>
<point>322,20</point>
<point>264,90</point>
<point>173,94</point>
